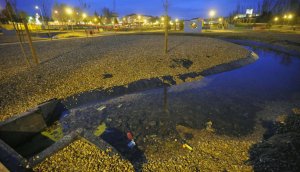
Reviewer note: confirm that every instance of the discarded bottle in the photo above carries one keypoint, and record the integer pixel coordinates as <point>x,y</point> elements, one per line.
<point>187,147</point>
<point>131,144</point>
<point>129,135</point>
<point>101,108</point>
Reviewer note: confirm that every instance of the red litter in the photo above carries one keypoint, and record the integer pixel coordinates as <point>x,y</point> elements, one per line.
<point>129,136</point>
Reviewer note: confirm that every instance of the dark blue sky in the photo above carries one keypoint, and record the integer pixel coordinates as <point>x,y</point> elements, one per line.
<point>183,9</point>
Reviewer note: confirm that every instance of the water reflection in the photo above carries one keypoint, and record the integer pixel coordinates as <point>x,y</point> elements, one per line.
<point>286,60</point>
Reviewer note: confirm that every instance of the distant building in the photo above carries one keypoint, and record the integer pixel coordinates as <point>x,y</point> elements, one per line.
<point>193,25</point>
<point>248,17</point>
<point>135,19</point>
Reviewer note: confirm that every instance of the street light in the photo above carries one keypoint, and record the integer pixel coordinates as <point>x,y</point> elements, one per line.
<point>55,11</point>
<point>212,13</point>
<point>69,11</point>
<point>276,19</point>
<point>37,8</point>
<point>290,16</point>
<point>139,20</point>
<point>84,15</point>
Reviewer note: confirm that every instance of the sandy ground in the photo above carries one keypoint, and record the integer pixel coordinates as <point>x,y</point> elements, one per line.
<point>78,65</point>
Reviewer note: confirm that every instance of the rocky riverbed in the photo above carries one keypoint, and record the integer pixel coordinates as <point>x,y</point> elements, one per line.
<point>73,66</point>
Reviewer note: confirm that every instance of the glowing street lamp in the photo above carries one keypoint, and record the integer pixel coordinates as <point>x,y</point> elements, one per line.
<point>84,15</point>
<point>176,20</point>
<point>212,13</point>
<point>276,19</point>
<point>55,11</point>
<point>139,17</point>
<point>37,8</point>
<point>69,11</point>
<point>290,16</point>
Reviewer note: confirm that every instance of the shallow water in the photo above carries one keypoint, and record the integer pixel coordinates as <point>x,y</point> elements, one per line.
<point>230,100</point>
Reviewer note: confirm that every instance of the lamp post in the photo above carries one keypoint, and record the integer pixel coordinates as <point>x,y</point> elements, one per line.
<point>69,11</point>
<point>212,13</point>
<point>37,8</point>
<point>176,22</point>
<point>56,14</point>
<point>276,19</point>
<point>163,21</point>
<point>139,20</point>
<point>290,17</point>
<point>284,19</point>
<point>84,15</point>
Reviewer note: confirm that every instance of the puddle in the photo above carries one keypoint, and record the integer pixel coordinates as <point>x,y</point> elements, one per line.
<point>38,142</point>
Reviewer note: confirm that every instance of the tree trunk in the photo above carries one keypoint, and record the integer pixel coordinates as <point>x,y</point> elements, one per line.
<point>30,43</point>
<point>19,37</point>
<point>166,7</point>
<point>166,34</point>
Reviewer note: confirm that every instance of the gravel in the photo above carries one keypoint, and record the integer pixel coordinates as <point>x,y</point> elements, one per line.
<point>83,156</point>
<point>78,65</point>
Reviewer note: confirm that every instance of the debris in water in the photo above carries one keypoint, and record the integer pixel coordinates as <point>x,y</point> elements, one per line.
<point>54,132</point>
<point>101,108</point>
<point>209,126</point>
<point>129,135</point>
<point>131,144</point>
<point>100,129</point>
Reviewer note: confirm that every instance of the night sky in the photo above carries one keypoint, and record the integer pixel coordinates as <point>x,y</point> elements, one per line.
<point>183,9</point>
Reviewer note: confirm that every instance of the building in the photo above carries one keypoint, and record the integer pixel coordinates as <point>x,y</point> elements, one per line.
<point>136,19</point>
<point>193,25</point>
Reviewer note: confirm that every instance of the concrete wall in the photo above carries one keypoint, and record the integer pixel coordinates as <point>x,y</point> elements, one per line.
<point>18,129</point>
<point>189,29</point>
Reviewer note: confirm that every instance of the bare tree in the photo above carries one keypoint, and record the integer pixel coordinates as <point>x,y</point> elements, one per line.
<point>166,19</point>
<point>46,16</point>
<point>11,14</point>
<point>108,15</point>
